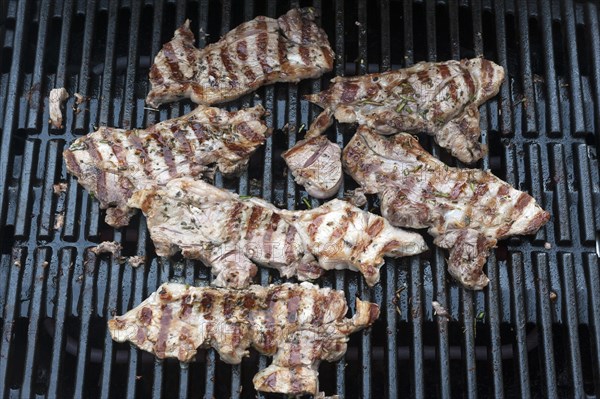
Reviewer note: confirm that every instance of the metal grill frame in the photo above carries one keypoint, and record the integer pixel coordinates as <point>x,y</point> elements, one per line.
<point>535,331</point>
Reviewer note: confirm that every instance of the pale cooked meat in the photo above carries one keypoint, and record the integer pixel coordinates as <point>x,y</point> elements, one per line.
<point>108,247</point>
<point>441,99</point>
<point>113,163</point>
<point>315,163</point>
<point>256,53</point>
<point>55,103</point>
<point>232,235</point>
<point>298,324</point>
<point>466,210</point>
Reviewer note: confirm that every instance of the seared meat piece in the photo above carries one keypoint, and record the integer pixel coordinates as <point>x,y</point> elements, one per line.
<point>441,99</point>
<point>55,103</point>
<point>256,53</point>
<point>298,324</point>
<point>114,163</point>
<point>466,210</point>
<point>315,163</point>
<point>231,235</point>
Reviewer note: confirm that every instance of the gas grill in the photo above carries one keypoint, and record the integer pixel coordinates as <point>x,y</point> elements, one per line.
<point>533,332</point>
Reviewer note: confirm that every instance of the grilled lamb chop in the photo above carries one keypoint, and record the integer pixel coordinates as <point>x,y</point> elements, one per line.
<point>298,324</point>
<point>441,99</point>
<point>114,163</point>
<point>466,210</point>
<point>315,163</point>
<point>256,53</point>
<point>231,234</point>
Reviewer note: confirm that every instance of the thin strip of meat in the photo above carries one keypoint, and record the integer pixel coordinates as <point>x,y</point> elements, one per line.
<point>298,324</point>
<point>466,210</point>
<point>114,163</point>
<point>232,235</point>
<point>256,53</point>
<point>441,99</point>
<point>55,103</point>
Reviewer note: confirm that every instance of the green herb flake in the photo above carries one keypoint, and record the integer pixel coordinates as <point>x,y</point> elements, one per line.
<point>370,102</point>
<point>307,203</point>
<point>78,146</point>
<point>480,315</point>
<point>400,107</point>
<point>440,194</point>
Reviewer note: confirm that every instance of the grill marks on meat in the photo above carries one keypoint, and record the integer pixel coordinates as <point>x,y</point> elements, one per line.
<point>114,163</point>
<point>232,235</point>
<point>466,210</point>
<point>256,53</point>
<point>441,99</point>
<point>298,324</point>
<point>315,163</point>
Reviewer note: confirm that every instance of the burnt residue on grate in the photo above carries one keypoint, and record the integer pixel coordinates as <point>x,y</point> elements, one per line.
<point>533,332</point>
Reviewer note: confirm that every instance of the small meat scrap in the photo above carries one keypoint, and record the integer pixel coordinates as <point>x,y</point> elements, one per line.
<point>113,163</point>
<point>233,235</point>
<point>59,188</point>
<point>465,210</point>
<point>439,310</point>
<point>136,261</point>
<point>79,99</point>
<point>59,220</point>
<point>55,102</point>
<point>106,247</point>
<point>315,163</point>
<point>298,324</point>
<point>258,52</point>
<point>441,99</point>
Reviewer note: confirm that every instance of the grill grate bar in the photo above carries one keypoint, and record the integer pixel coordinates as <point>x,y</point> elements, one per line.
<point>526,104</point>
<point>41,261</point>
<point>67,256</point>
<point>443,350</point>
<point>35,90</point>
<point>10,110</point>
<point>546,335</point>
<point>89,265</point>
<point>570,297</point>
<point>84,73</point>
<point>415,316</point>
<point>568,19</point>
<point>519,317</point>
<point>593,277</point>
<point>552,112</point>
<point>506,125</point>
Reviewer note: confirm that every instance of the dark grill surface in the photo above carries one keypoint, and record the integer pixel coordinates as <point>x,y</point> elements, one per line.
<point>534,332</point>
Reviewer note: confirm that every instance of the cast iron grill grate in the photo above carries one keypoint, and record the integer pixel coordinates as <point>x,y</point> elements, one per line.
<point>535,332</point>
